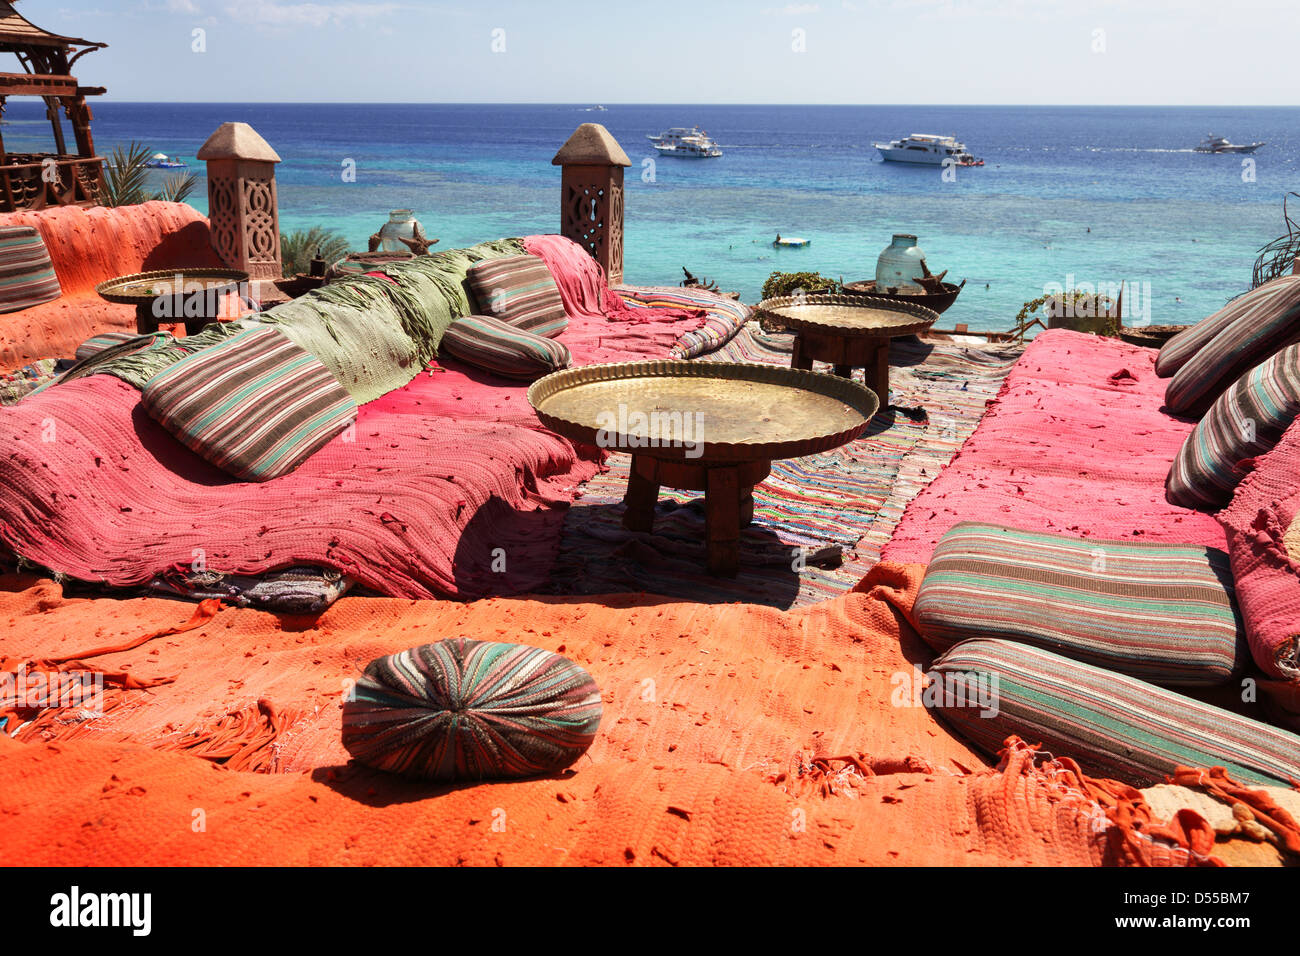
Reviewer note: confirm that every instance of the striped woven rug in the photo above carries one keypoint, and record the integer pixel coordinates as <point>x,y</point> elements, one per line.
<point>850,498</point>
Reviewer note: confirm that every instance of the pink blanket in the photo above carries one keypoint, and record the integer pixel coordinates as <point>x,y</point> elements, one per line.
<point>1264,507</point>
<point>585,291</point>
<point>452,487</point>
<point>1075,443</point>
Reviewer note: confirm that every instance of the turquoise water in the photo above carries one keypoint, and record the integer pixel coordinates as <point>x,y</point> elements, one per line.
<point>1181,229</point>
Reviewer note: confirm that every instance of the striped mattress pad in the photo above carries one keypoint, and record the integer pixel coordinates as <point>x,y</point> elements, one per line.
<point>1161,612</point>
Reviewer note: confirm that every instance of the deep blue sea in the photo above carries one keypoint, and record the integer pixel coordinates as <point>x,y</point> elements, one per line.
<point>1068,195</point>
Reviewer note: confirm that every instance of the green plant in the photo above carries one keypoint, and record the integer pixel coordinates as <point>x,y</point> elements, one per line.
<point>126,179</point>
<point>126,176</point>
<point>787,283</point>
<point>177,188</point>
<point>1074,303</point>
<point>298,248</point>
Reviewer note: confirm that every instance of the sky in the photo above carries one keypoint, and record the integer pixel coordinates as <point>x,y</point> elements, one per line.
<point>1109,52</point>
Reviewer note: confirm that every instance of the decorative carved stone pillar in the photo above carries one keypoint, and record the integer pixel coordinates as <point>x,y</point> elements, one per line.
<point>242,210</point>
<point>591,195</point>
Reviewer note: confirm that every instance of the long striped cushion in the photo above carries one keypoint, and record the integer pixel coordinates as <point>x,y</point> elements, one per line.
<point>520,290</point>
<point>471,710</point>
<point>255,405</point>
<point>1162,612</point>
<point>26,273</point>
<point>1268,320</point>
<point>1244,422</point>
<point>97,343</point>
<point>1114,726</point>
<point>504,349</point>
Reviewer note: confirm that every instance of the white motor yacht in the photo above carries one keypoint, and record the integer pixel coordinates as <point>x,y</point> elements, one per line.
<point>926,149</point>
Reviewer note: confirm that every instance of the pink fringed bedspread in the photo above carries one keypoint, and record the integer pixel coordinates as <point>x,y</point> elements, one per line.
<point>452,486</point>
<point>1075,443</point>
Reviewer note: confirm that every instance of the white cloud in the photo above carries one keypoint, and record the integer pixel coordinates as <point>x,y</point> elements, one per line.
<point>305,14</point>
<point>182,6</point>
<point>795,10</point>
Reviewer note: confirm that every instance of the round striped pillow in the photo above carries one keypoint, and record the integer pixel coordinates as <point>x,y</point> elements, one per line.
<point>471,710</point>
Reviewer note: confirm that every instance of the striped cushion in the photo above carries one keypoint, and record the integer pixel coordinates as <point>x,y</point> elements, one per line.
<point>471,710</point>
<point>1114,726</point>
<point>1162,612</point>
<point>26,273</point>
<point>520,290</point>
<point>1245,421</point>
<point>504,349</point>
<point>255,405</point>
<point>1268,320</point>
<point>97,343</point>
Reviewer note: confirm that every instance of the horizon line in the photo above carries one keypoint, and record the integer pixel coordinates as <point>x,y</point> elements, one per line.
<point>1175,106</point>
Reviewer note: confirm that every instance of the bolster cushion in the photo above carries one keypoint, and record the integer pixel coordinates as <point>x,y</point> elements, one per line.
<point>1114,726</point>
<point>503,349</point>
<point>1244,423</point>
<point>26,273</point>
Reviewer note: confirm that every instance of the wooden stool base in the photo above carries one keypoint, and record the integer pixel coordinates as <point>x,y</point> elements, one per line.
<point>845,353</point>
<point>728,501</point>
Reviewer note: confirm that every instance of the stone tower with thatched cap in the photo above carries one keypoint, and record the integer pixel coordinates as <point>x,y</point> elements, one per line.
<point>243,213</point>
<point>591,195</point>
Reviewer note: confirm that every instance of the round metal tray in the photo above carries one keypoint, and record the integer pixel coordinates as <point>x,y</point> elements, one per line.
<point>848,315</point>
<point>141,288</point>
<point>703,411</point>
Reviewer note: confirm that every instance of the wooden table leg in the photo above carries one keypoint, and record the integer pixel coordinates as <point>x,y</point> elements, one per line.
<point>722,521</point>
<point>145,320</point>
<point>798,356</point>
<point>642,493</point>
<point>746,506</point>
<point>878,378</point>
<point>844,371</point>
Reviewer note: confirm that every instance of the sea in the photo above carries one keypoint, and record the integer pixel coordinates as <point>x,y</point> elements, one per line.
<point>1069,197</point>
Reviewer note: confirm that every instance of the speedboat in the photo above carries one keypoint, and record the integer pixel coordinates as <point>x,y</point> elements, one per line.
<point>693,143</point>
<point>927,149</point>
<point>790,242</point>
<point>163,161</point>
<point>1220,144</point>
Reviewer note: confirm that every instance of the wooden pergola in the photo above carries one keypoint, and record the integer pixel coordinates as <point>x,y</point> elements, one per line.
<point>62,178</point>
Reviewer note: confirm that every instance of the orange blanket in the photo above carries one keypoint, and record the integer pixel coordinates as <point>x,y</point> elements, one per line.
<point>732,734</point>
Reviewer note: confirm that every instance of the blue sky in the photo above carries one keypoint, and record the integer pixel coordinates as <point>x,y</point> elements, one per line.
<point>1175,52</point>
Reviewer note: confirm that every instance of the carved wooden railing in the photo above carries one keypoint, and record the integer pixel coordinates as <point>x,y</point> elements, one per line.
<point>31,181</point>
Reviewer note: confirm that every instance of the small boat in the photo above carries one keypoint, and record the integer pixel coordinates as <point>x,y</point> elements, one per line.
<point>792,242</point>
<point>926,149</point>
<point>1220,144</point>
<point>163,161</point>
<point>693,143</point>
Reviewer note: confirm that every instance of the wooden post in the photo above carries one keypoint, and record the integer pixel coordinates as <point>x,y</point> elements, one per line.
<point>243,213</point>
<point>591,195</point>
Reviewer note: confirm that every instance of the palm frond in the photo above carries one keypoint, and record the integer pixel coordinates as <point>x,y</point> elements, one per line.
<point>298,248</point>
<point>177,188</point>
<point>126,176</point>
